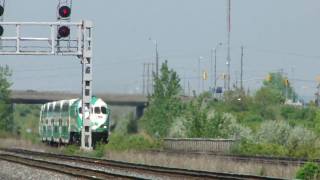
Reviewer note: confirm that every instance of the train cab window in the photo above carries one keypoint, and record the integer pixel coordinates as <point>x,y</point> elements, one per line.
<point>80,110</point>
<point>97,110</point>
<point>104,110</point>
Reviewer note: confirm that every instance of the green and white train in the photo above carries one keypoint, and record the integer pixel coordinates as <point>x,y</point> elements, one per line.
<point>61,121</point>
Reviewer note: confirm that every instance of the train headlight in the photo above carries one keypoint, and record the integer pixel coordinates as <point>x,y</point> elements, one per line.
<point>104,126</point>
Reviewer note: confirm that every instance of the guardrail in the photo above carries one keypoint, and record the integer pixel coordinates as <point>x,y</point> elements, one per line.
<point>199,144</point>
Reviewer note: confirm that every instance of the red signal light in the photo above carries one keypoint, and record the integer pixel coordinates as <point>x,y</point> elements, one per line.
<point>64,11</point>
<point>63,32</point>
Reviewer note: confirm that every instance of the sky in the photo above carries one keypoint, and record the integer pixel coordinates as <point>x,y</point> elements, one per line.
<point>276,35</point>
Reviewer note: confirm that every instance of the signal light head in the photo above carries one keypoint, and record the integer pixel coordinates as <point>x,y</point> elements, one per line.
<point>1,10</point>
<point>64,11</point>
<point>63,32</point>
<point>1,30</point>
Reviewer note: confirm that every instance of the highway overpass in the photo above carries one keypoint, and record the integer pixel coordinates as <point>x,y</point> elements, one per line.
<point>41,97</point>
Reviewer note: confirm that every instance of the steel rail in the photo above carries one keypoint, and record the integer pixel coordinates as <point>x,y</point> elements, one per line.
<point>64,169</point>
<point>262,159</point>
<point>141,168</point>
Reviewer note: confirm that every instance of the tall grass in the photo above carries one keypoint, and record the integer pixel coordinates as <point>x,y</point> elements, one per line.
<point>121,142</point>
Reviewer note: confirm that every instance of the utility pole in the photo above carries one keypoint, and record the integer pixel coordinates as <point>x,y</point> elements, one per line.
<point>241,70</point>
<point>229,36</point>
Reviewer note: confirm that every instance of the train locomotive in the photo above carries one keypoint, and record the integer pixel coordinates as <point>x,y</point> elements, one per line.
<point>61,121</point>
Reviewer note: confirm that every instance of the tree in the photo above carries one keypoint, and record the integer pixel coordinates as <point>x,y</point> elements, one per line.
<point>281,84</point>
<point>6,122</point>
<point>165,104</point>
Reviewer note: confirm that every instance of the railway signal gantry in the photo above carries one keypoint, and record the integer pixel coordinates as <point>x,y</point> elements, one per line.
<point>63,38</point>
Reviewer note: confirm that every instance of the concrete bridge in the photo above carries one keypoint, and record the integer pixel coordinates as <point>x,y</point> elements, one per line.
<point>41,97</point>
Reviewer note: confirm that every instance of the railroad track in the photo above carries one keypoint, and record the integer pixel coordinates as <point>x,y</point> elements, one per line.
<point>244,158</point>
<point>145,171</point>
<point>79,172</point>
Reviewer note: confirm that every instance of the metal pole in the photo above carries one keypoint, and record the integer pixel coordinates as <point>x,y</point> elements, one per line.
<point>86,60</point>
<point>143,79</point>
<point>211,71</point>
<point>157,60</point>
<point>215,68</point>
<point>229,34</point>
<point>189,88</point>
<point>199,74</point>
<point>215,65</point>
<point>241,72</point>
<point>184,83</point>
<point>202,78</point>
<point>148,80</point>
<point>152,79</point>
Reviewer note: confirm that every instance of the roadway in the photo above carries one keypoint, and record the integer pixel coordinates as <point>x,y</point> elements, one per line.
<point>41,97</point>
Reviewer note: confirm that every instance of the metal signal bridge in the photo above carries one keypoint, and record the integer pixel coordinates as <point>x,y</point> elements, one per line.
<point>24,40</point>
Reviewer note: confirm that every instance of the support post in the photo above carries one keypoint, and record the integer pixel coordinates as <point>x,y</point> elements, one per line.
<point>86,60</point>
<point>241,70</point>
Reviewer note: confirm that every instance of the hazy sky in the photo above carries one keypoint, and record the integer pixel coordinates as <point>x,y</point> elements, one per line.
<point>276,34</point>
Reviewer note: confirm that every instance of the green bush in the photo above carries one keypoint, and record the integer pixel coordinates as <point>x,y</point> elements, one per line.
<point>71,150</point>
<point>120,142</point>
<point>310,171</point>
<point>263,149</point>
<point>252,118</point>
<point>132,126</point>
<point>99,150</point>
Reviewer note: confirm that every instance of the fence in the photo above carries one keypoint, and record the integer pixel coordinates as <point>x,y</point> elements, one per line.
<point>198,144</point>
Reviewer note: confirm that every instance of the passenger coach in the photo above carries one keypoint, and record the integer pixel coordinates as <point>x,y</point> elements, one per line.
<point>61,121</point>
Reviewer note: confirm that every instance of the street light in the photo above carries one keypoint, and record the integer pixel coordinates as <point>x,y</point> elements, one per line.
<point>215,65</point>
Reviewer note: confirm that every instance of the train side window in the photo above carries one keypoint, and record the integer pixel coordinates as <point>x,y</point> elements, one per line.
<point>104,110</point>
<point>65,107</point>
<point>57,107</point>
<point>51,108</point>
<point>44,110</point>
<point>97,110</point>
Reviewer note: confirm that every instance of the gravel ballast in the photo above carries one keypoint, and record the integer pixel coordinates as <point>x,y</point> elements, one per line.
<point>12,171</point>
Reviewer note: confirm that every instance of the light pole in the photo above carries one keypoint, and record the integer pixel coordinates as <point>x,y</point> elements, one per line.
<point>215,65</point>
